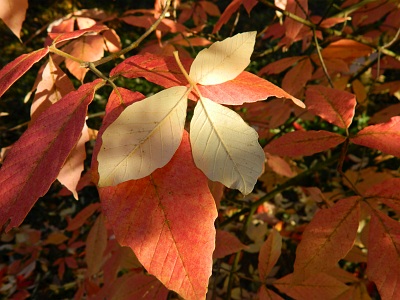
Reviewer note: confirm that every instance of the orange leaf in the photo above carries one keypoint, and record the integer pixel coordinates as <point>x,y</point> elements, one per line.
<point>66,36</point>
<point>13,14</point>
<point>25,178</point>
<point>267,294</point>
<point>96,244</point>
<point>335,106</point>
<point>164,71</point>
<point>299,143</point>
<point>346,49</point>
<point>384,137</point>
<point>226,243</point>
<point>384,255</point>
<point>279,165</point>
<point>280,65</point>
<point>134,286</point>
<point>18,67</point>
<point>387,192</point>
<point>296,78</point>
<point>269,254</point>
<point>227,14</point>
<point>318,286</point>
<point>327,239</point>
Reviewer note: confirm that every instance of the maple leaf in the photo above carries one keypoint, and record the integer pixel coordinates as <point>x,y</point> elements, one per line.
<point>13,14</point>
<point>23,179</point>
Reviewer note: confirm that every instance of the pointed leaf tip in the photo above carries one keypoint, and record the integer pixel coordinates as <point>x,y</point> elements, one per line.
<point>143,138</point>
<point>224,60</point>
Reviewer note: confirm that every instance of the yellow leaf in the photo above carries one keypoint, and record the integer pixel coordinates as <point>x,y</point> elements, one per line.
<point>224,147</point>
<point>143,138</point>
<point>224,60</point>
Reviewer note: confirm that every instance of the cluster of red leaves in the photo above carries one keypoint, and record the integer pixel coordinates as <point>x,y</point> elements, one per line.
<point>167,218</point>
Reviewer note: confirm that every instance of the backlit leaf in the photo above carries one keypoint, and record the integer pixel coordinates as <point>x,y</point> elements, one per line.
<point>299,143</point>
<point>335,106</point>
<point>384,255</point>
<point>143,138</point>
<point>13,12</point>
<point>224,60</point>
<point>66,36</point>
<point>267,294</point>
<point>168,221</point>
<point>387,192</point>
<point>296,78</point>
<point>224,147</point>
<point>328,238</point>
<point>96,244</point>
<point>18,67</point>
<point>269,254</point>
<point>384,137</point>
<point>25,178</point>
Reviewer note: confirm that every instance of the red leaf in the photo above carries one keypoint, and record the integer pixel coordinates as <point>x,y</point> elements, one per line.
<point>25,178</point>
<point>385,137</point>
<point>66,36</point>
<point>226,243</point>
<point>293,27</point>
<point>279,165</point>
<point>13,14</point>
<point>96,244</point>
<point>136,286</point>
<point>18,67</point>
<point>384,255</point>
<point>164,71</point>
<point>227,14</point>
<point>319,286</point>
<point>387,192</point>
<point>269,254</point>
<point>82,216</point>
<point>335,106</point>
<point>296,78</point>
<point>328,238</point>
<point>280,65</point>
<point>299,143</point>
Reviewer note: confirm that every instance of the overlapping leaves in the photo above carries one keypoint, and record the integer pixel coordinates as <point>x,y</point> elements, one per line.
<point>224,147</point>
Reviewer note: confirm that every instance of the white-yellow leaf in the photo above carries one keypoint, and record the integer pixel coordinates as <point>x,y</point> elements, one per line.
<point>224,147</point>
<point>224,60</point>
<point>143,138</point>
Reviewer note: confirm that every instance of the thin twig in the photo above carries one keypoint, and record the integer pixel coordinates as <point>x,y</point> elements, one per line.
<point>321,59</point>
<point>138,41</point>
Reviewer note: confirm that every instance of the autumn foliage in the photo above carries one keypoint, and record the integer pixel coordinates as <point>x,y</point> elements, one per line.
<point>247,151</point>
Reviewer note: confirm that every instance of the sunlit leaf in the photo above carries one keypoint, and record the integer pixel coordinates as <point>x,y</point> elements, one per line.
<point>328,238</point>
<point>13,12</point>
<point>384,137</point>
<point>143,138</point>
<point>335,106</point>
<point>224,147</point>
<point>269,254</point>
<point>226,243</point>
<point>224,60</point>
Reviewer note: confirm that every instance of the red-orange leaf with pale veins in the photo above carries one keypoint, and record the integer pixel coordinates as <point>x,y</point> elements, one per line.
<point>387,192</point>
<point>296,78</point>
<point>328,238</point>
<point>167,218</point>
<point>318,286</point>
<point>384,137</point>
<point>269,254</point>
<point>267,294</point>
<point>164,71</point>
<point>13,12</point>
<point>226,243</point>
<point>384,255</point>
<point>96,244</point>
<point>299,143</point>
<point>18,67</point>
<point>335,106</point>
<point>25,178</point>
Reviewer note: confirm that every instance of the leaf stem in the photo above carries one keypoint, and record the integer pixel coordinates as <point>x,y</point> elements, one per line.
<point>321,59</point>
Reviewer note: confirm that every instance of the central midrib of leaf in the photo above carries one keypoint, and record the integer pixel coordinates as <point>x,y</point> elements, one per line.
<point>223,144</point>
